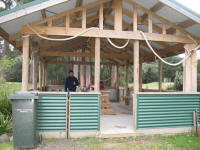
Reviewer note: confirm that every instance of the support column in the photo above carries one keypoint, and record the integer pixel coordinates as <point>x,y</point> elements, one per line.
<point>75,68</point>
<point>126,88</point>
<point>46,74</point>
<point>40,75</point>
<point>136,80</point>
<point>25,65</point>
<point>97,65</point>
<point>35,64</point>
<point>117,85</point>
<point>190,70</point>
<point>88,75</point>
<point>43,75</point>
<point>140,76</point>
<point>160,75</point>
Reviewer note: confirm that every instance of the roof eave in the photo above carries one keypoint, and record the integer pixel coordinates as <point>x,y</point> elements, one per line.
<point>181,9</point>
<point>29,9</point>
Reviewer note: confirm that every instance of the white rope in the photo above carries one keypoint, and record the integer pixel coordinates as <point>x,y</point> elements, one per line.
<point>119,47</point>
<point>63,39</point>
<point>171,64</point>
<point>75,36</point>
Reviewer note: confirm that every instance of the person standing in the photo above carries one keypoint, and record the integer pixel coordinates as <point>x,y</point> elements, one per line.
<point>71,82</point>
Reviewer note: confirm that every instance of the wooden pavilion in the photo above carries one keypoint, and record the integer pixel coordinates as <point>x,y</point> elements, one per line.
<point>98,28</point>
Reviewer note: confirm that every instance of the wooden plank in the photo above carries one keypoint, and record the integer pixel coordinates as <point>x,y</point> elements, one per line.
<point>127,79</point>
<point>164,29</point>
<point>25,63</point>
<point>190,70</point>
<point>101,16</point>
<point>77,9</point>
<point>135,19</point>
<point>86,63</point>
<point>84,18</point>
<point>84,54</point>
<point>160,75</point>
<point>140,75</point>
<point>40,75</point>
<point>67,22</point>
<point>155,8</point>
<point>118,14</point>
<point>136,79</point>
<point>163,20</point>
<point>150,25</point>
<point>107,34</point>
<point>97,65</point>
<point>117,85</point>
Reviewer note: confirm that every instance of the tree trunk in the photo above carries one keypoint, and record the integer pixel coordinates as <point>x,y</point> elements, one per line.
<point>4,53</point>
<point>113,76</point>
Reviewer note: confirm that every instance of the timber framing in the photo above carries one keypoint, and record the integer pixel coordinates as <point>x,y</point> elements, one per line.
<point>96,14</point>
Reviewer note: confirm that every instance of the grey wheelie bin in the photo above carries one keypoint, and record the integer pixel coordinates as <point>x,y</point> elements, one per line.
<point>24,120</point>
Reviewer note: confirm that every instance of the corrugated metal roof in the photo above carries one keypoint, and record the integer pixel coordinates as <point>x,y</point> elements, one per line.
<point>21,7</point>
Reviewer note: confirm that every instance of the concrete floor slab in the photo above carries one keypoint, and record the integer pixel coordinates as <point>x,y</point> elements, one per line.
<point>121,123</point>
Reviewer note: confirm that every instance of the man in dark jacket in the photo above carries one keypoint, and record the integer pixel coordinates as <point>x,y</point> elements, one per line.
<point>71,82</point>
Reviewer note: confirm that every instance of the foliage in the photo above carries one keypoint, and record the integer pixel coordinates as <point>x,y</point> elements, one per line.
<point>150,73</point>
<point>5,106</point>
<point>178,81</point>
<point>7,63</point>
<point>5,124</point>
<point>170,71</point>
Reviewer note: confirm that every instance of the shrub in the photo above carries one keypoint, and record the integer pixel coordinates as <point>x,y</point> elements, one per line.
<point>5,104</point>
<point>5,124</point>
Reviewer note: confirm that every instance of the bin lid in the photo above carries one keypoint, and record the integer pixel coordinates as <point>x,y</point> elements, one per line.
<point>23,96</point>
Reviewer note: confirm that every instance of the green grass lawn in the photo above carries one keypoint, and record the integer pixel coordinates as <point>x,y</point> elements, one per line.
<point>154,85</point>
<point>11,87</point>
<point>155,142</point>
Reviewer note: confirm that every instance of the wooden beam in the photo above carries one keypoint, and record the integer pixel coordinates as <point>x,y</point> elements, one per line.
<point>101,21</point>
<point>185,24</point>
<point>155,8</point>
<point>85,63</point>
<point>77,9</point>
<point>150,25</point>
<point>118,15</point>
<point>97,65</point>
<point>84,18</point>
<point>5,36</point>
<point>43,12</point>
<point>135,19</point>
<point>106,34</point>
<point>84,54</point>
<point>163,20</point>
<point>136,79</point>
<point>25,64</point>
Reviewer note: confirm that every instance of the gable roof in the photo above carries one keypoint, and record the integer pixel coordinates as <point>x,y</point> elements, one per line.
<point>12,20</point>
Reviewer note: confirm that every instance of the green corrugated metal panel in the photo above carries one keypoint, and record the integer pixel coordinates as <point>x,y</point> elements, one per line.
<point>85,112</point>
<point>166,110</point>
<point>51,112</point>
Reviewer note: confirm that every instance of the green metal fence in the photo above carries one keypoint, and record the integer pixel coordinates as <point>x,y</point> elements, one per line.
<point>51,112</point>
<point>85,112</point>
<point>166,110</point>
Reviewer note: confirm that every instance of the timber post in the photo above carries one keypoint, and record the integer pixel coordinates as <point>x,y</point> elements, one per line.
<point>160,75</point>
<point>25,63</point>
<point>97,65</point>
<point>190,70</point>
